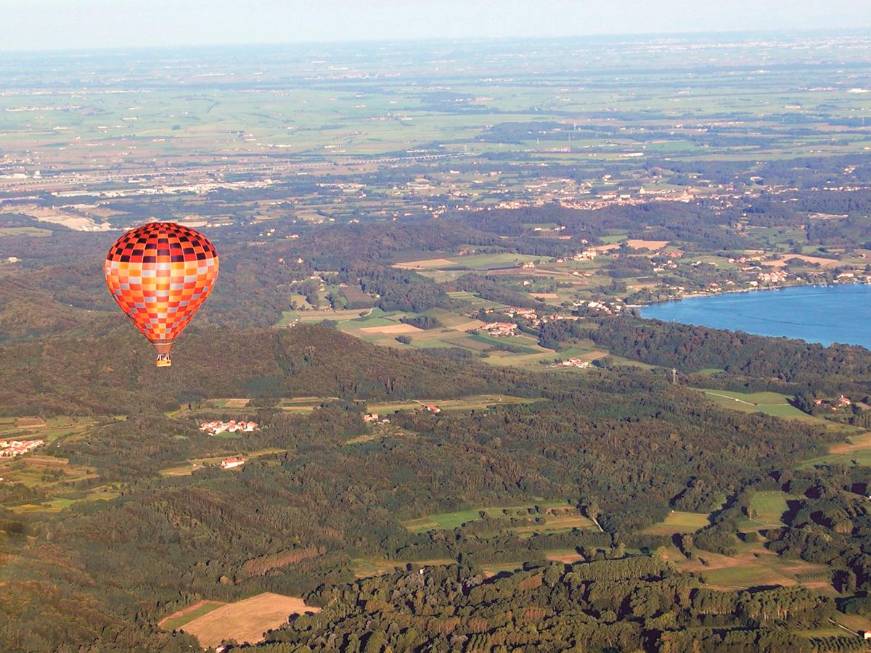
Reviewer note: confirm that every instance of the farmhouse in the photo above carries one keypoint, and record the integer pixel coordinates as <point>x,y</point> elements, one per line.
<point>834,404</point>
<point>232,462</point>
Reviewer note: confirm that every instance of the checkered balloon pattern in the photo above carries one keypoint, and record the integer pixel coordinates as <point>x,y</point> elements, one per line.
<point>160,274</point>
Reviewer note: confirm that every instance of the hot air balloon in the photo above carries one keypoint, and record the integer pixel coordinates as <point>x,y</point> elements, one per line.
<point>160,274</point>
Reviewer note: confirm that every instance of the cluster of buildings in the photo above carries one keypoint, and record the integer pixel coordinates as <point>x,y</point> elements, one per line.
<point>375,418</point>
<point>13,448</point>
<point>531,315</point>
<point>499,329</point>
<point>573,362</point>
<point>216,427</point>
<point>834,404</point>
<point>232,462</point>
<point>600,308</point>
<point>776,276</point>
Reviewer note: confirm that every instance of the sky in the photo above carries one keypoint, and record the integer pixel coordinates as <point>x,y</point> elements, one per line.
<point>76,24</point>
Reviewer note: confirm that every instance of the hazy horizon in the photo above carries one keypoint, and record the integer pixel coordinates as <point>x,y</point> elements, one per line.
<point>50,25</point>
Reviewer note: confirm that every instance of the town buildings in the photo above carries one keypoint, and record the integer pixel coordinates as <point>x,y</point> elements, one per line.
<point>216,427</point>
<point>13,448</point>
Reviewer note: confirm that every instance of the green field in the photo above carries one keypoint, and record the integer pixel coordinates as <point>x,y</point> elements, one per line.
<point>767,506</point>
<point>451,520</point>
<point>100,493</point>
<point>768,403</point>
<point>368,567</point>
<point>473,402</point>
<point>177,622</point>
<point>856,451</point>
<point>751,566</point>
<point>679,522</point>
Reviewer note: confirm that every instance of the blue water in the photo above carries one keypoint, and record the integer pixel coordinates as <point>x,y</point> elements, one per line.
<point>816,314</point>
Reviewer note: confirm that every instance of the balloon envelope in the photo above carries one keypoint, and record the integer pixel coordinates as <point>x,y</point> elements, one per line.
<point>160,274</point>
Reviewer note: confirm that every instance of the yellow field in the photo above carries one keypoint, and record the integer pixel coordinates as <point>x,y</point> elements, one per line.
<point>565,556</point>
<point>545,295</point>
<point>783,260</point>
<point>654,245</point>
<point>246,620</point>
<point>30,423</point>
<point>391,329</point>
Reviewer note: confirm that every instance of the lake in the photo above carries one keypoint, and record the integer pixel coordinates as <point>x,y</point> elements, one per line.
<point>813,313</point>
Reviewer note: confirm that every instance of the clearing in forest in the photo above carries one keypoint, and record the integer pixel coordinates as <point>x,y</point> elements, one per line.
<point>768,403</point>
<point>767,508</point>
<point>856,451</point>
<point>679,522</point>
<point>179,618</point>
<point>539,517</point>
<point>472,402</point>
<point>246,620</point>
<point>752,566</point>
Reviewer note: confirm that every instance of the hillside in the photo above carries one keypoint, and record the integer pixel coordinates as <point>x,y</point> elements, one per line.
<point>115,373</point>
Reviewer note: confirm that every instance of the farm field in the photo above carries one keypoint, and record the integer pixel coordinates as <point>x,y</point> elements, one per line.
<point>246,620</point>
<point>768,403</point>
<point>752,566</point>
<point>767,506</point>
<point>553,510</point>
<point>50,430</point>
<point>474,402</point>
<point>368,567</point>
<point>560,522</point>
<point>856,451</point>
<point>181,617</point>
<point>679,522</point>
<point>382,328</point>
<point>189,467</point>
<point>68,499</point>
<point>302,404</point>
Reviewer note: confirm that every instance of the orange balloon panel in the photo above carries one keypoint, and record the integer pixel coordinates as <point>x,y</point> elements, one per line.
<point>160,274</point>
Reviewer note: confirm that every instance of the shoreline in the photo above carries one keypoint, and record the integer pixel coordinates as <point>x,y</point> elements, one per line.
<point>760,324</point>
<point>741,291</point>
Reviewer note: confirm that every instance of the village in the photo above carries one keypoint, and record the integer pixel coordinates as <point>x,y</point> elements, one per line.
<point>13,448</point>
<point>217,427</point>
